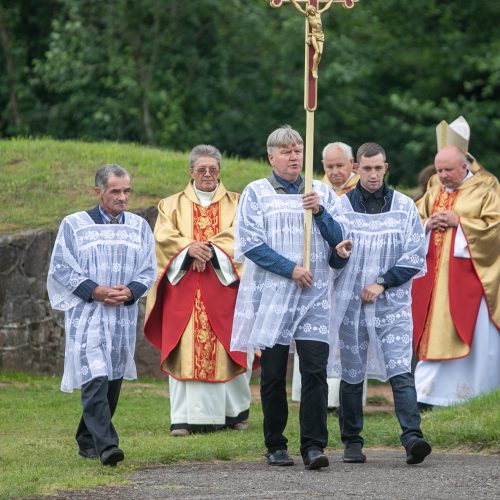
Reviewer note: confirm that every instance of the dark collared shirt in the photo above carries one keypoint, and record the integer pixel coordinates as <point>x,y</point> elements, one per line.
<point>374,202</point>
<point>290,187</point>
<point>106,218</point>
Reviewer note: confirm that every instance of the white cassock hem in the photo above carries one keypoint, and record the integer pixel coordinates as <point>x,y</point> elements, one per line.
<point>443,383</point>
<point>206,403</point>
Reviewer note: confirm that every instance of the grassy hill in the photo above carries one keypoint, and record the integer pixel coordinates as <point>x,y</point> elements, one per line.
<point>43,180</point>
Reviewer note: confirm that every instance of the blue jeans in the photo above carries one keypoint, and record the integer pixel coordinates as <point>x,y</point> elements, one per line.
<point>405,405</point>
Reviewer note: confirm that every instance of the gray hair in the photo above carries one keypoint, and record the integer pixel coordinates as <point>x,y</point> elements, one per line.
<point>204,150</point>
<point>105,172</point>
<point>282,137</point>
<point>370,149</point>
<point>342,146</point>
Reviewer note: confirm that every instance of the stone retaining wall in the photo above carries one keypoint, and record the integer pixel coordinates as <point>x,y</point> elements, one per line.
<point>31,333</point>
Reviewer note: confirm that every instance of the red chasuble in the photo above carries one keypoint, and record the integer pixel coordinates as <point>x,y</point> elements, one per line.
<point>191,322</point>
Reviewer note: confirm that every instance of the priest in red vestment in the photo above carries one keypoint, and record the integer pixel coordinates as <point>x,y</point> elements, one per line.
<point>455,305</point>
<point>189,311</point>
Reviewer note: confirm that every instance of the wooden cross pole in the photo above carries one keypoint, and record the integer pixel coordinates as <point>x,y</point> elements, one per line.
<point>314,39</point>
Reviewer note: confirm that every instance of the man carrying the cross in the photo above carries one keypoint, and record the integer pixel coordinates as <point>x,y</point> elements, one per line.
<point>280,301</point>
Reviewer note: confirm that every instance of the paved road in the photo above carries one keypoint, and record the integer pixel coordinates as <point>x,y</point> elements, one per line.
<point>385,475</point>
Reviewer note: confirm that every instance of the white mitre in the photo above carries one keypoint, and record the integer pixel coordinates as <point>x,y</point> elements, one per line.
<point>457,133</point>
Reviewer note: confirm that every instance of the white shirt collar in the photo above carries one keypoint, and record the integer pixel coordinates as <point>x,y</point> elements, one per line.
<point>205,197</point>
<point>456,186</point>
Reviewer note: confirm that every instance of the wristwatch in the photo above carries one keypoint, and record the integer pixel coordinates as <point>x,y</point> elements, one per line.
<point>381,281</point>
<point>319,213</point>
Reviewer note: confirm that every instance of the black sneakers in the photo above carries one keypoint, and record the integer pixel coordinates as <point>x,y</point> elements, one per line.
<point>353,454</point>
<point>111,456</point>
<point>279,457</point>
<point>315,459</point>
<point>417,450</point>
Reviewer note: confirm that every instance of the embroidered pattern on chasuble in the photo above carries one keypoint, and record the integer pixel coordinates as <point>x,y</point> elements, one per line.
<point>206,222</point>
<point>200,355</point>
<point>440,339</point>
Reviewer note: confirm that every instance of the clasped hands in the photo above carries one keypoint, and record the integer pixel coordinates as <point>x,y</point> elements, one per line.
<point>441,221</point>
<point>112,295</point>
<point>201,253</point>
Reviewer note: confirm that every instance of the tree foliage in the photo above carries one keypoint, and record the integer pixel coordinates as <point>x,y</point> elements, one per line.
<point>174,73</point>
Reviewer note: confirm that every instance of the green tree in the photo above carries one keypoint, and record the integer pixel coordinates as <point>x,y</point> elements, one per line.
<point>24,29</point>
<point>175,73</point>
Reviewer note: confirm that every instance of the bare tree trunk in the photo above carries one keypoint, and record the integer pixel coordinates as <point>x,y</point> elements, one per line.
<point>9,66</point>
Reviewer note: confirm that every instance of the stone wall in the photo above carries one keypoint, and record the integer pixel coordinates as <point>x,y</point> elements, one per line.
<point>31,333</point>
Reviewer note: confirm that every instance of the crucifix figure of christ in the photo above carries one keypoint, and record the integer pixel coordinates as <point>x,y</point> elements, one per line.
<point>315,35</point>
<point>314,40</point>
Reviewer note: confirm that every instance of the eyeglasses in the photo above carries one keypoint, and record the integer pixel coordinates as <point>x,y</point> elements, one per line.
<point>202,170</point>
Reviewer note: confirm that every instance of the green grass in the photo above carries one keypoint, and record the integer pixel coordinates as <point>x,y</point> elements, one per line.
<point>38,453</point>
<point>43,180</point>
<point>377,400</point>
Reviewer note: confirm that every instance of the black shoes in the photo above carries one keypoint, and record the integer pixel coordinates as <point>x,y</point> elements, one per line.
<point>315,459</point>
<point>88,453</point>
<point>353,454</point>
<point>279,457</point>
<point>111,456</point>
<point>417,450</point>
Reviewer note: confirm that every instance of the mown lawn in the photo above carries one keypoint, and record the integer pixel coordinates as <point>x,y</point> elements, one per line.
<point>42,180</point>
<point>38,453</point>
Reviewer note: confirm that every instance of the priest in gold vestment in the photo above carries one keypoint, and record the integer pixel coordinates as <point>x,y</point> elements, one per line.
<point>189,311</point>
<point>338,164</point>
<point>455,305</point>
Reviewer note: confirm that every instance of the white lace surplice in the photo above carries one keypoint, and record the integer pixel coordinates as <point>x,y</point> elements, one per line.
<point>271,309</point>
<point>376,338</point>
<point>100,339</point>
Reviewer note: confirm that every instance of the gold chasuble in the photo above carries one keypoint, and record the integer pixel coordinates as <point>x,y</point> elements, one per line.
<point>348,186</point>
<point>446,300</point>
<point>190,321</point>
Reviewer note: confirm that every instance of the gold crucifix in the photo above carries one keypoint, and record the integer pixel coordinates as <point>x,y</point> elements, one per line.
<point>314,40</point>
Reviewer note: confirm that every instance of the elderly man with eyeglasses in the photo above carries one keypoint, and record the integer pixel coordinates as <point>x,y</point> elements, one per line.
<point>189,311</point>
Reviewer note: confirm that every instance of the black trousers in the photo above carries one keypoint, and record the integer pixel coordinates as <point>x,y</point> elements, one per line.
<point>313,358</point>
<point>99,400</point>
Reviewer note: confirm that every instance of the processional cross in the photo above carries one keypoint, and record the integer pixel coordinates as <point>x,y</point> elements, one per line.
<point>314,39</point>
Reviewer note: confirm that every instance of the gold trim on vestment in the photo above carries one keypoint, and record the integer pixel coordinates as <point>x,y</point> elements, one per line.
<point>477,203</point>
<point>199,355</point>
<point>350,185</point>
<point>447,344</point>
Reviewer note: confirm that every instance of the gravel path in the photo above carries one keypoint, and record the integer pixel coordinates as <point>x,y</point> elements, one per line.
<point>385,475</point>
